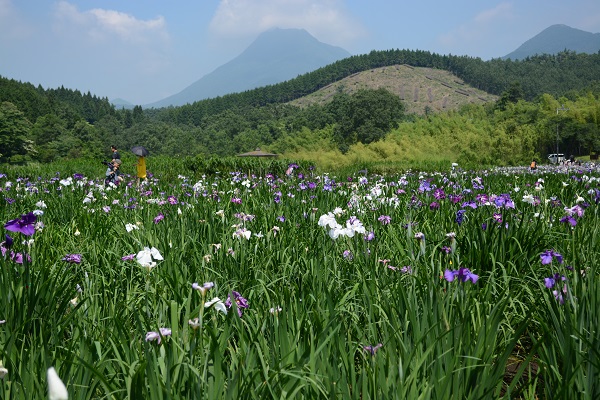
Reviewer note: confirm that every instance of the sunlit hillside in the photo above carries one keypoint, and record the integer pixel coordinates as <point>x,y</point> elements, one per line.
<point>421,88</point>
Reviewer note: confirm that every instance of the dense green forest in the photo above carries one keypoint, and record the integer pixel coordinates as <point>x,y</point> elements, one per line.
<point>545,101</point>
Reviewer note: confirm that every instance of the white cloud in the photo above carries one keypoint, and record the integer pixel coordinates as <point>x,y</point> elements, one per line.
<point>325,19</point>
<point>500,12</point>
<point>97,49</point>
<point>108,25</point>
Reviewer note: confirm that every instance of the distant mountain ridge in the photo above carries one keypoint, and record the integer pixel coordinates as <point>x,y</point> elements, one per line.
<point>555,39</point>
<point>121,103</point>
<point>280,55</point>
<point>275,56</point>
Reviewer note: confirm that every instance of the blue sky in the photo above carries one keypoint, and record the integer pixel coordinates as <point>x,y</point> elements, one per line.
<point>146,50</point>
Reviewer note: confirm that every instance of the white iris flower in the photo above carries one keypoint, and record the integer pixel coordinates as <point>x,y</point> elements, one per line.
<point>148,257</point>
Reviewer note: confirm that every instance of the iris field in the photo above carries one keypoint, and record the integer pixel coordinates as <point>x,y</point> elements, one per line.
<point>423,285</point>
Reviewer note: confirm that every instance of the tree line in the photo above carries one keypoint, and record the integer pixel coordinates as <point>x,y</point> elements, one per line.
<point>38,124</point>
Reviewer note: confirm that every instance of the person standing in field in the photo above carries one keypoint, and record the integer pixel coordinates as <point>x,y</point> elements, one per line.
<point>115,153</point>
<point>115,156</point>
<point>141,169</point>
<point>113,175</point>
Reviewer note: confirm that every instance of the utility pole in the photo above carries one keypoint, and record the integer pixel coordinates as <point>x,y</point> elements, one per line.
<point>562,108</point>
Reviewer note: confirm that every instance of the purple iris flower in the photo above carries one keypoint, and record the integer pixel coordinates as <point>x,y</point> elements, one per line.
<point>407,269</point>
<point>439,194</point>
<point>372,349</point>
<point>504,200</point>
<point>425,186</point>
<point>128,257</point>
<point>72,258</point>
<point>172,200</point>
<point>385,219</point>
<point>460,216</point>
<point>25,224</point>
<point>415,202</point>
<point>554,202</point>
<point>558,296</point>
<point>18,257</point>
<point>471,204</point>
<point>244,216</point>
<point>553,280</point>
<point>159,218</point>
<point>482,198</point>
<point>499,201</point>
<point>569,219</point>
<point>546,257</point>
<point>370,236</point>
<point>8,242</point>
<point>240,301</point>
<point>462,274</point>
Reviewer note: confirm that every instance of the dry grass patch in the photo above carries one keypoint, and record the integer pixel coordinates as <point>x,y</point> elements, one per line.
<point>421,88</point>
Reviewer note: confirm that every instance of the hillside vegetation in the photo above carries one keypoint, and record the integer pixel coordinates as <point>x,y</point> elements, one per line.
<point>423,90</point>
<point>359,110</point>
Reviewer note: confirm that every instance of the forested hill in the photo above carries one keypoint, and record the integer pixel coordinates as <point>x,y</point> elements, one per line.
<point>552,74</point>
<point>47,124</point>
<point>67,104</point>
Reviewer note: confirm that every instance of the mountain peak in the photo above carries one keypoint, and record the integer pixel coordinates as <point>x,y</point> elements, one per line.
<point>119,102</point>
<point>275,56</point>
<point>278,31</point>
<point>557,38</point>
